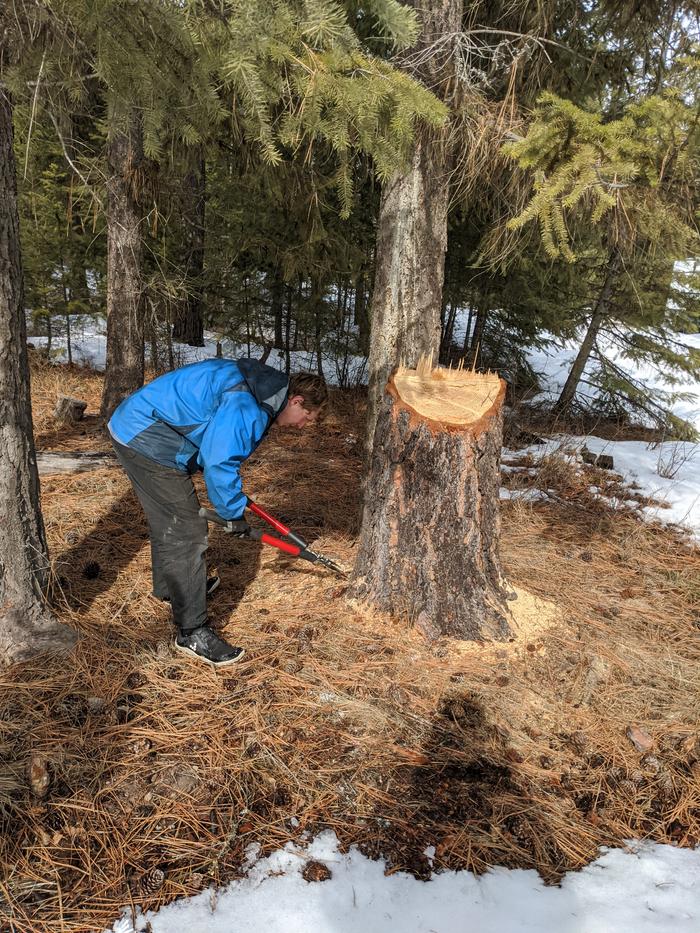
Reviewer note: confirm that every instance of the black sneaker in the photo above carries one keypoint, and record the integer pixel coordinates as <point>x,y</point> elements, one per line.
<point>204,643</point>
<point>212,584</point>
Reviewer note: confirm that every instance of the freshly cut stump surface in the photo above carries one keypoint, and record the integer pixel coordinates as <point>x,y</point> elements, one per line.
<point>451,397</point>
<point>430,529</point>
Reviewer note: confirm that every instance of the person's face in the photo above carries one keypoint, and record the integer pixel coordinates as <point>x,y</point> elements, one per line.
<point>294,415</point>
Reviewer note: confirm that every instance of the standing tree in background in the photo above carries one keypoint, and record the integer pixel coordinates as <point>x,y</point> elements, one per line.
<point>286,80</point>
<point>630,182</point>
<point>159,95</point>
<point>137,73</point>
<point>189,324</point>
<point>125,318</point>
<point>26,626</point>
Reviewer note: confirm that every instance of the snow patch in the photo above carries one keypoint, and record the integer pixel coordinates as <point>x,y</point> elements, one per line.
<point>647,888</point>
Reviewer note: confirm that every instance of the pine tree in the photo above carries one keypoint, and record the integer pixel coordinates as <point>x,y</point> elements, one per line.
<point>26,625</point>
<point>634,181</point>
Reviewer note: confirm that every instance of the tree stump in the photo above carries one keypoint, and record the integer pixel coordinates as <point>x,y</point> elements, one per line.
<point>430,528</point>
<point>69,410</point>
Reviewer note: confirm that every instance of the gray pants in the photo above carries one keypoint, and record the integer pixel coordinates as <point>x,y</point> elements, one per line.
<point>178,535</point>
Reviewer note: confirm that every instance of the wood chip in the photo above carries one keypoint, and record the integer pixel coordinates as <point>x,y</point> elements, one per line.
<point>641,740</point>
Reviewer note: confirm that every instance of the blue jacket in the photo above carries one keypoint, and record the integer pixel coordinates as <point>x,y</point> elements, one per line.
<point>208,416</point>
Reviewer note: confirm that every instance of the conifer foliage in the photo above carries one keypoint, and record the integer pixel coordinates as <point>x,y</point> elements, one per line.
<point>628,189</point>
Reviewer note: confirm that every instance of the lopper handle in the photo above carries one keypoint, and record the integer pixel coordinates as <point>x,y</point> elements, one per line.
<point>254,533</point>
<point>281,545</point>
<point>266,517</point>
<point>277,525</point>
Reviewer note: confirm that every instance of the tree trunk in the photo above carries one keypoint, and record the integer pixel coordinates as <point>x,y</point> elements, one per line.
<point>468,331</point>
<point>169,339</point>
<point>300,305</point>
<point>246,308</point>
<point>288,331</point>
<point>68,341</point>
<point>600,312</point>
<point>124,366</point>
<point>412,229</point>
<point>276,306</point>
<point>450,317</point>
<point>189,325</point>
<point>26,626</point>
<point>361,318</point>
<point>153,341</point>
<point>477,337</point>
<point>319,321</point>
<point>66,299</point>
<point>430,529</point>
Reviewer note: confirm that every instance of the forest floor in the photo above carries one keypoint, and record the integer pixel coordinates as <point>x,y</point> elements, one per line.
<point>522,754</point>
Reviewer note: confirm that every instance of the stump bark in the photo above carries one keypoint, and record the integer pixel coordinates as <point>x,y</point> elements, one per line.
<point>430,529</point>
<point>68,410</point>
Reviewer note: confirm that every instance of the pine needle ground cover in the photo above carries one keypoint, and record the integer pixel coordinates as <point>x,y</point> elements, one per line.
<point>131,775</point>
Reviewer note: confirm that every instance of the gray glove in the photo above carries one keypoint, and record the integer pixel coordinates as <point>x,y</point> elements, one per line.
<point>238,527</point>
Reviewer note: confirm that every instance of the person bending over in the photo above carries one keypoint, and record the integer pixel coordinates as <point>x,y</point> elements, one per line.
<point>207,416</point>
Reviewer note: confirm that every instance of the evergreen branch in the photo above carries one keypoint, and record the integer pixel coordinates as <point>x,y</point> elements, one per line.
<point>71,163</point>
<point>642,397</point>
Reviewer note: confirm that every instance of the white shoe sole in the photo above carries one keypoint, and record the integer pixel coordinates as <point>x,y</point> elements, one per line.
<point>215,664</point>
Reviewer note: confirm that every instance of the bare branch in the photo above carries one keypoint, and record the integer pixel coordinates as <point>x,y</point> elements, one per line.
<point>31,117</point>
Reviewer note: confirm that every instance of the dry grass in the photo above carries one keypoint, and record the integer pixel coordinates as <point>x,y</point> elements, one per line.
<point>162,772</point>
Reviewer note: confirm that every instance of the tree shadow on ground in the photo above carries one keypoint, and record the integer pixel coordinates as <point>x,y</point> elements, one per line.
<point>463,796</point>
<point>95,563</point>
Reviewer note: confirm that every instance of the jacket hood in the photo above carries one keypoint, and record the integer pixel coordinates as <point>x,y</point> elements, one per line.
<point>268,386</point>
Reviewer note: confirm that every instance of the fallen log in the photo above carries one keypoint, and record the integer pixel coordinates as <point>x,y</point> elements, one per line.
<point>73,461</point>
<point>428,547</point>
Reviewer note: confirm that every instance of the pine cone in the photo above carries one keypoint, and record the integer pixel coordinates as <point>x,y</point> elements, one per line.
<point>152,881</point>
<point>665,787</point>
<point>316,871</point>
<point>197,880</point>
<point>135,680</point>
<point>579,742</point>
<point>628,788</point>
<point>74,708</point>
<point>651,763</point>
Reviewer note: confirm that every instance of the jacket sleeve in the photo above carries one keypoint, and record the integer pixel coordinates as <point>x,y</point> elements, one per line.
<point>231,436</point>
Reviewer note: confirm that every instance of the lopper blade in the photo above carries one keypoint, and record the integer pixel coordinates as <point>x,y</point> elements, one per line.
<point>327,562</point>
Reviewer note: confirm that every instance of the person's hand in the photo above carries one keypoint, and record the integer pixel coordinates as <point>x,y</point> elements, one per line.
<point>238,527</point>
